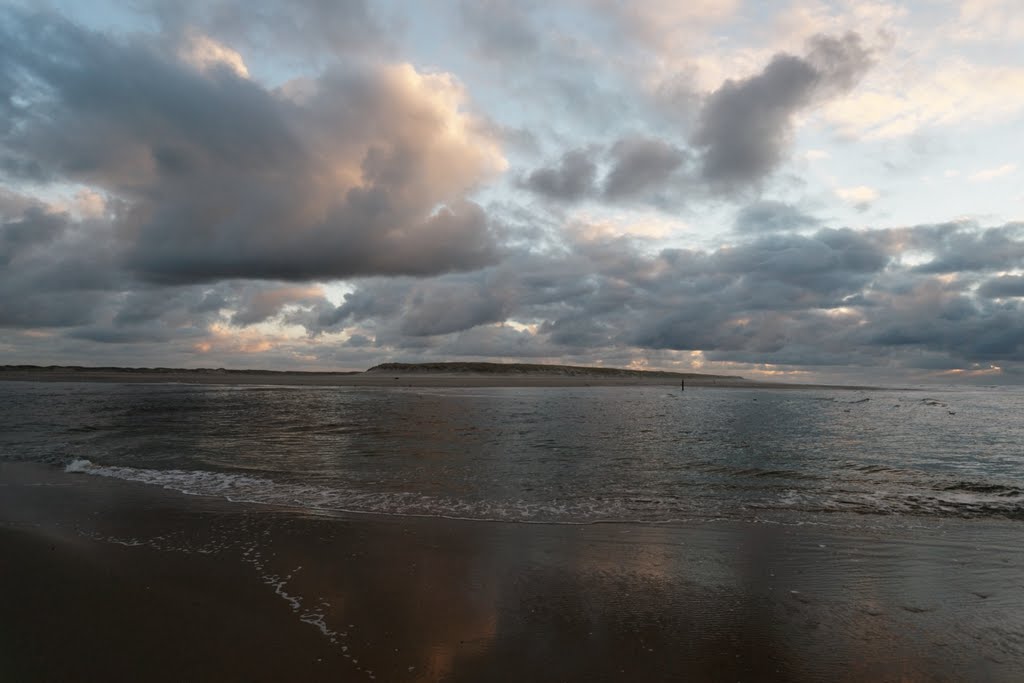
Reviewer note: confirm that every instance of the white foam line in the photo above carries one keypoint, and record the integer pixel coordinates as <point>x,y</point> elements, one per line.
<point>333,501</point>
<point>314,617</point>
<point>252,556</point>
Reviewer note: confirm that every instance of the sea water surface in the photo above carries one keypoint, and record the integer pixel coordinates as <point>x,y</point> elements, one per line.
<point>547,455</point>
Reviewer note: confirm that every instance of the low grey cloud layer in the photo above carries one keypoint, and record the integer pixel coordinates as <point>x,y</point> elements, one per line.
<point>955,250</point>
<point>161,204</point>
<point>815,300</point>
<point>1005,286</point>
<point>772,216</point>
<point>635,168</point>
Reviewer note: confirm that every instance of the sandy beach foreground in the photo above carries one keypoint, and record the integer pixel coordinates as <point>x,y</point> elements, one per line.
<point>108,580</point>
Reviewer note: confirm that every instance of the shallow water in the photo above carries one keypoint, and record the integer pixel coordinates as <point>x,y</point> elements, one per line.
<point>568,455</point>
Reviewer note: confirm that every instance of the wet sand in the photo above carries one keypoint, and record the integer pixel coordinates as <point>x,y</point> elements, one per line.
<point>109,580</point>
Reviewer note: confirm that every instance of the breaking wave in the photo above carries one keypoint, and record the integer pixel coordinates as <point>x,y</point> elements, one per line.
<point>963,500</point>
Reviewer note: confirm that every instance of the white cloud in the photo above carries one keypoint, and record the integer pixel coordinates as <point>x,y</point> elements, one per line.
<point>660,24</point>
<point>639,224</point>
<point>993,173</point>
<point>860,194</point>
<point>988,20</point>
<point>206,53</point>
<point>898,102</point>
<point>805,18</point>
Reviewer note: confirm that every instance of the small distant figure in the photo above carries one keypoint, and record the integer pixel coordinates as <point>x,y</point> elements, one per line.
<point>682,385</point>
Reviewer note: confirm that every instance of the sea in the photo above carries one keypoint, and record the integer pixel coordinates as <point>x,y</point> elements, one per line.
<point>581,455</point>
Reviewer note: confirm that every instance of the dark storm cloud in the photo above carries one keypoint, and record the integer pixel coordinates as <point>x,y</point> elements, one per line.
<point>829,262</point>
<point>601,294</point>
<point>745,298</point>
<point>124,115</point>
<point>958,247</point>
<point>35,227</point>
<point>495,341</point>
<point>14,204</point>
<point>441,308</point>
<point>154,313</point>
<point>145,306</point>
<point>185,314</point>
<point>833,298</point>
<point>121,335</point>
<point>742,132</point>
<point>418,308</point>
<point>570,180</point>
<point>745,126</point>
<point>34,309</point>
<point>640,164</point>
<point>362,171</point>
<point>936,318</point>
<point>840,62</point>
<point>261,303</point>
<point>772,216</point>
<point>372,300</point>
<point>637,168</point>
<point>1002,287</point>
<point>54,272</point>
<point>577,332</point>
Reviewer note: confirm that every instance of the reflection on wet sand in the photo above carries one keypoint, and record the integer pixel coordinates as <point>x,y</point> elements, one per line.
<point>441,600</point>
<point>466,601</point>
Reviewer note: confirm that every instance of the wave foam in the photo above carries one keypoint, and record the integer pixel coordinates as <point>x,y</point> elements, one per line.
<point>248,489</point>
<point>975,500</point>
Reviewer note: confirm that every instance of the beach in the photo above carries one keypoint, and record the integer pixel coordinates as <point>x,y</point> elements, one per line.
<point>115,580</point>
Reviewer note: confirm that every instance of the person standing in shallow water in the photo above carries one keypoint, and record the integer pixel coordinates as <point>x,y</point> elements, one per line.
<point>682,385</point>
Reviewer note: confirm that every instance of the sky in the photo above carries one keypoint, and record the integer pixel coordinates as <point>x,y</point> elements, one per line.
<point>802,191</point>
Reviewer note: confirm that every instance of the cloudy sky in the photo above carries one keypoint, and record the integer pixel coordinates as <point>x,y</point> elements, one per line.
<point>807,190</point>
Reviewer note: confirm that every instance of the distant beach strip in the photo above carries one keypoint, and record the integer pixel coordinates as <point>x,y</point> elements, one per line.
<point>453,374</point>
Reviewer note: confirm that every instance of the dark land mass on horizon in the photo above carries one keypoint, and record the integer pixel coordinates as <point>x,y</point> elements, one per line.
<point>440,374</point>
<point>540,369</point>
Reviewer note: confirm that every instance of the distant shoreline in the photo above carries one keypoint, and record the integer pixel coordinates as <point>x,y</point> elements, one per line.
<point>433,375</point>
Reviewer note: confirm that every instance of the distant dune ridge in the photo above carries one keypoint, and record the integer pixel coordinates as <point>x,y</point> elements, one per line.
<point>441,368</point>
<point>441,374</point>
<point>537,369</point>
<point>71,369</point>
